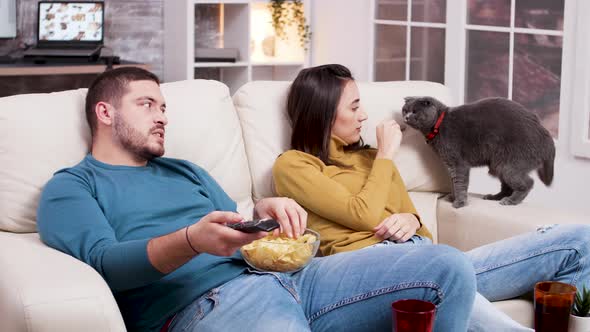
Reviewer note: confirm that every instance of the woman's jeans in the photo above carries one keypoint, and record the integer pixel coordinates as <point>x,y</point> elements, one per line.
<point>510,268</point>
<point>345,292</point>
<point>353,291</point>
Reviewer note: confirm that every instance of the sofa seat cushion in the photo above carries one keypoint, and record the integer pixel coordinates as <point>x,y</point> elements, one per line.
<point>483,221</point>
<point>521,310</point>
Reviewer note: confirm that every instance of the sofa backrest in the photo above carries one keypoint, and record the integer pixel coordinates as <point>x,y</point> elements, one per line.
<point>261,107</point>
<point>42,133</point>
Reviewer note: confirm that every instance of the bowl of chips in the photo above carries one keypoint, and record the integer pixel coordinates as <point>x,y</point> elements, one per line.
<point>281,253</point>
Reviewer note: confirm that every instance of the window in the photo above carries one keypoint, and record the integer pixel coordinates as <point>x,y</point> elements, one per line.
<point>481,48</point>
<point>409,40</point>
<point>514,50</point>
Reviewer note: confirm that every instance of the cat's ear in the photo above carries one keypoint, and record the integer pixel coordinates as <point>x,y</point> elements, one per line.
<point>409,99</point>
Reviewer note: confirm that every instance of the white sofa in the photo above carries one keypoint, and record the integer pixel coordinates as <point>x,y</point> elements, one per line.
<point>236,140</point>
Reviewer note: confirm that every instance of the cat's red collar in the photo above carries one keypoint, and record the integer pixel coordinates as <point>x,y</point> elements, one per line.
<point>431,135</point>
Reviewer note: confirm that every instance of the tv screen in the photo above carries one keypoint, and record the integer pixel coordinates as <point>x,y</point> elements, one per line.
<point>71,21</point>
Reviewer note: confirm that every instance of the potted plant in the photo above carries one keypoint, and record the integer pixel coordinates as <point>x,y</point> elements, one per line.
<point>580,316</point>
<point>290,12</point>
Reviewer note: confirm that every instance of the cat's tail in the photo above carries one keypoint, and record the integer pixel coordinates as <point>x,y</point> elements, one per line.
<point>546,170</point>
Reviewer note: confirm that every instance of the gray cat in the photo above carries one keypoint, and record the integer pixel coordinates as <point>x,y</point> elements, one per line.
<point>494,132</point>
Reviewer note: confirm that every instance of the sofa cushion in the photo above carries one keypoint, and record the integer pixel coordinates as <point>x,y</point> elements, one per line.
<point>521,310</point>
<point>262,111</point>
<point>46,290</point>
<point>426,204</point>
<point>419,166</point>
<point>203,128</point>
<point>41,133</point>
<point>484,221</point>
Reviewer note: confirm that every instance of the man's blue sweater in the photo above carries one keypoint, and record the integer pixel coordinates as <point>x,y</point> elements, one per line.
<point>105,215</point>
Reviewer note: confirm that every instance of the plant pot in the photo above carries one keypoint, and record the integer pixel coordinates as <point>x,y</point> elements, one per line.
<point>579,324</point>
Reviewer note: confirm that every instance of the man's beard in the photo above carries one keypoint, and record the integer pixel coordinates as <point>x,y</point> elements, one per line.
<point>134,141</point>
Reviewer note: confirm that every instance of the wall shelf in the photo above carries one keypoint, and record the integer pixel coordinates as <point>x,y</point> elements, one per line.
<point>240,24</point>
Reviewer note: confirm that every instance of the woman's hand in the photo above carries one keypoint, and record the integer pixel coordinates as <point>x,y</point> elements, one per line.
<point>389,138</point>
<point>398,227</point>
<point>290,215</point>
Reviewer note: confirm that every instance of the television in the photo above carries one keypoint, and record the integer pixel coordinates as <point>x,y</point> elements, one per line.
<point>7,18</point>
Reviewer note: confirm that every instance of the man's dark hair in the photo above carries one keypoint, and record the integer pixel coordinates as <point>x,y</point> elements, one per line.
<point>110,87</point>
<point>312,106</point>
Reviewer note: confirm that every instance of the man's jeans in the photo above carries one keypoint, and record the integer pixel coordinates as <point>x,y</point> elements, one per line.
<point>345,292</point>
<point>504,269</point>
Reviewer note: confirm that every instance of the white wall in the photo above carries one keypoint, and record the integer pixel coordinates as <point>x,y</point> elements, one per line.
<point>341,33</point>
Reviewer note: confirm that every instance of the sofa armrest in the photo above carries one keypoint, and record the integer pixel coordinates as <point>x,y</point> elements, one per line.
<point>483,221</point>
<point>42,289</point>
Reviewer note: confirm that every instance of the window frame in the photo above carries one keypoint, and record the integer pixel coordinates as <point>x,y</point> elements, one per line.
<point>408,24</point>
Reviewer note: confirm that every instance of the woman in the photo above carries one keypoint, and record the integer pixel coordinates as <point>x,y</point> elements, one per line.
<point>356,199</point>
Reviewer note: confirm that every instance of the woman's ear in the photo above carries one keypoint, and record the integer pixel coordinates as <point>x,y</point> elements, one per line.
<point>104,113</point>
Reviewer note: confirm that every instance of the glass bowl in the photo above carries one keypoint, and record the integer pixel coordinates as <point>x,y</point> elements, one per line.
<point>282,254</point>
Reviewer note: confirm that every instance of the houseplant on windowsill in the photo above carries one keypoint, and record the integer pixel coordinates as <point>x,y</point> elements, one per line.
<point>580,316</point>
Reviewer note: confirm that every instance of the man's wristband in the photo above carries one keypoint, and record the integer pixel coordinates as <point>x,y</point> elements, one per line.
<point>189,241</point>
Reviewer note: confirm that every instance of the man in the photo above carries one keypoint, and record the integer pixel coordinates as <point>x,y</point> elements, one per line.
<point>155,229</point>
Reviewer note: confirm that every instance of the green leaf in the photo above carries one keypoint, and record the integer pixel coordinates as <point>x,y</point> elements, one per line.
<point>581,306</point>
<point>285,13</point>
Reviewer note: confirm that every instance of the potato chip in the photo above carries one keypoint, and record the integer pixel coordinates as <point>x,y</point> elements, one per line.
<point>280,253</point>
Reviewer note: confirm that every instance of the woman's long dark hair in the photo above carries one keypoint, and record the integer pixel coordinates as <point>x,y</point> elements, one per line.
<point>312,105</point>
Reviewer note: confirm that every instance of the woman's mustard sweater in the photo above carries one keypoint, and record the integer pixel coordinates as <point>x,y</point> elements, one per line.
<point>344,203</point>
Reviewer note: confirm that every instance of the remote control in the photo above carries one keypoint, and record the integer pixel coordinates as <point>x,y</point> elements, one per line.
<point>254,226</point>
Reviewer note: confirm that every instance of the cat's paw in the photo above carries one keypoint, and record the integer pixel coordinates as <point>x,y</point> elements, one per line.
<point>459,204</point>
<point>508,201</point>
<point>450,198</point>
